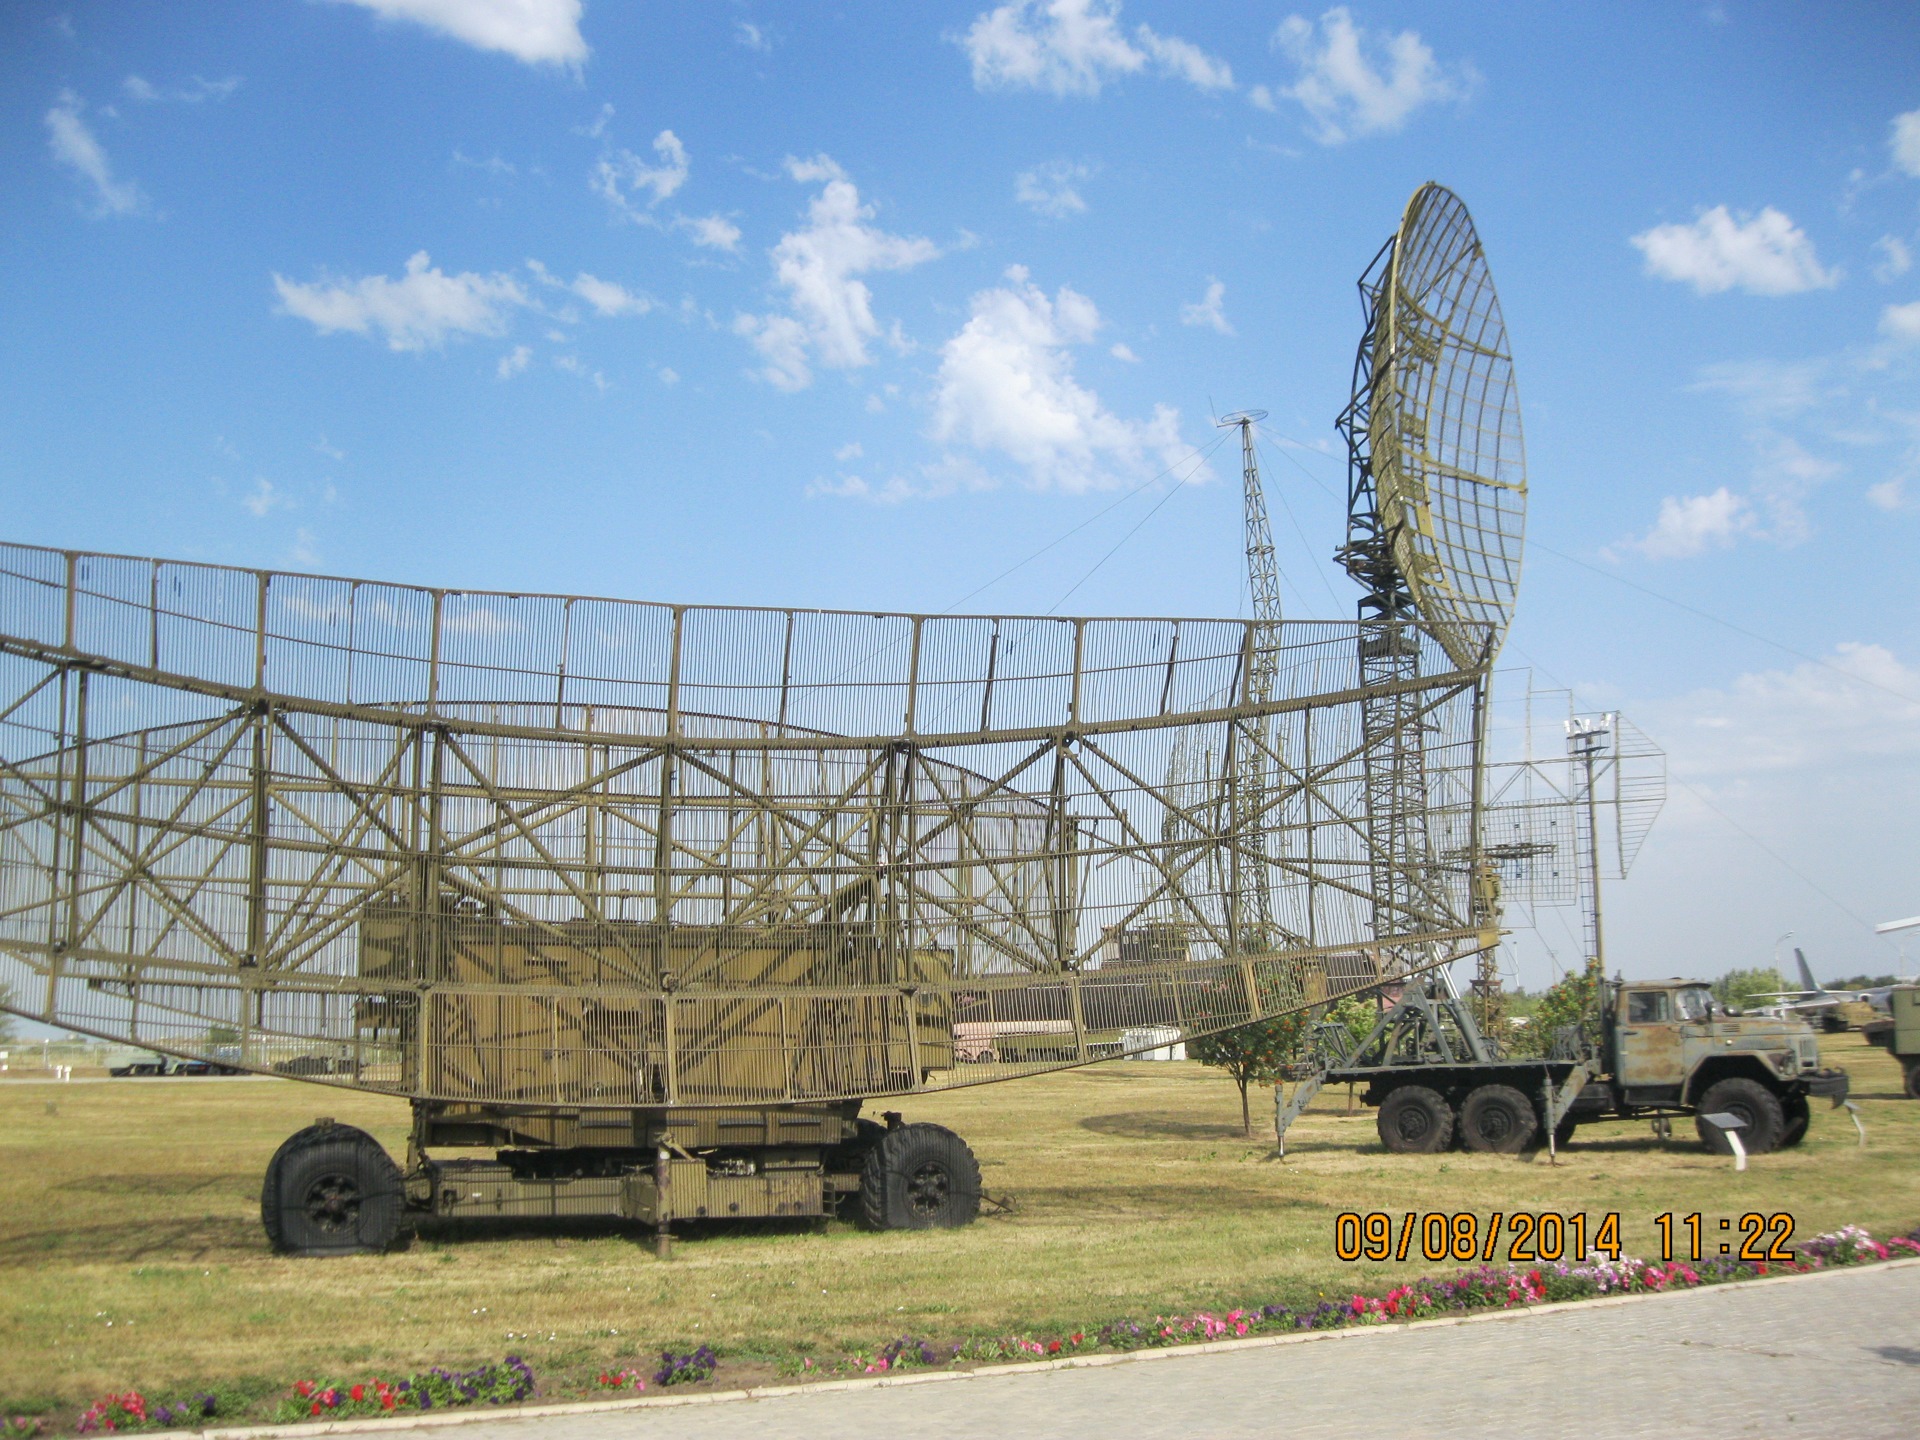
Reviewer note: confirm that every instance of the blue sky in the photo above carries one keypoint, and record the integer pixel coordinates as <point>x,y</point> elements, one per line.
<point>860,305</point>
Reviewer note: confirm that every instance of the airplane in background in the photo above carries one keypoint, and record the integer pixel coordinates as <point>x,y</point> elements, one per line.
<point>1821,1003</point>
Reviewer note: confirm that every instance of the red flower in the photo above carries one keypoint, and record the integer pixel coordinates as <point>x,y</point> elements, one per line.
<point>359,1392</point>
<point>303,1389</point>
<point>316,1407</point>
<point>1053,1347</point>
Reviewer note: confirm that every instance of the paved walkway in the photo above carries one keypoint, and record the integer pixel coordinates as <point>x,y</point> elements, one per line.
<point>1833,1355</point>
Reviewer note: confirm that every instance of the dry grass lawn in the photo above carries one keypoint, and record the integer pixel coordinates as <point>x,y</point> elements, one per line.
<point>131,1249</point>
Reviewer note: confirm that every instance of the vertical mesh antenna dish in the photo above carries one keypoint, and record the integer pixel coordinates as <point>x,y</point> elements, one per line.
<point>1449,462</point>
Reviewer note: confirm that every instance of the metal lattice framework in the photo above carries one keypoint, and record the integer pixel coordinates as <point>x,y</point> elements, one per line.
<point>555,850</point>
<point>1436,519</point>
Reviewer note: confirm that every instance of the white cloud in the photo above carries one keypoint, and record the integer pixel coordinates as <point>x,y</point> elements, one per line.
<point>1905,142</point>
<point>1764,254</point>
<point>852,450</point>
<point>573,366</point>
<point>1898,259</point>
<point>715,232</point>
<point>668,375</point>
<point>608,298</point>
<point>305,551</point>
<point>264,498</point>
<point>1261,98</point>
<point>74,146</point>
<point>1901,322</point>
<point>1888,495</point>
<point>1770,389</point>
<point>751,36</point>
<point>620,178</point>
<point>539,32</point>
<point>1690,525</point>
<point>1346,93</point>
<point>1074,47</point>
<point>1049,189</point>
<point>1207,311</point>
<point>1184,60</point>
<point>605,296</point>
<point>1784,474</point>
<point>818,266</point>
<point>191,93</point>
<point>1122,352</point>
<point>493,164</point>
<point>782,343</point>
<point>1806,718</point>
<point>414,312</point>
<point>1006,384</point>
<point>514,362</point>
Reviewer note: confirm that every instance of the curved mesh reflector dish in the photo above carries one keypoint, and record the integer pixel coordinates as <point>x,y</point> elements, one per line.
<point>552,850</point>
<point>1449,462</point>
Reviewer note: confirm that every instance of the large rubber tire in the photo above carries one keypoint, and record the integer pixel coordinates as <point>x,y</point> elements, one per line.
<point>919,1177</point>
<point>1563,1132</point>
<point>1414,1120</point>
<point>1497,1120</point>
<point>1798,1115</point>
<point>331,1190</point>
<point>1913,1080</point>
<point>1757,1106</point>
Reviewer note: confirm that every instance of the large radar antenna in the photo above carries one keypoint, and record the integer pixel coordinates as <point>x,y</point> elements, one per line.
<point>1436,513</point>
<point>1438,492</point>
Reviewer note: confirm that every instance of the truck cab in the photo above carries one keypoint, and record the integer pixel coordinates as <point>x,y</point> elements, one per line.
<point>1669,1045</point>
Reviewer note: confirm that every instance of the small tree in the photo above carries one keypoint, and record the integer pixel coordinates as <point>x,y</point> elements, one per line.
<point>1738,989</point>
<point>6,1020</point>
<point>1358,1013</point>
<point>1572,1000</point>
<point>1251,1053</point>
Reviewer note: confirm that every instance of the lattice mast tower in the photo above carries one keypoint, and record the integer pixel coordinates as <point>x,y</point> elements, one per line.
<point>1252,899</point>
<point>1395,790</point>
<point>1436,520</point>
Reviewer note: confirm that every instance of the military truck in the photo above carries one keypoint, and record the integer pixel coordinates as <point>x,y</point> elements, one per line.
<point>1657,1048</point>
<point>1898,1033</point>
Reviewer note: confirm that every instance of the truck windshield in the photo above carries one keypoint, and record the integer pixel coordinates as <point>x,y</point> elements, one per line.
<point>1696,1006</point>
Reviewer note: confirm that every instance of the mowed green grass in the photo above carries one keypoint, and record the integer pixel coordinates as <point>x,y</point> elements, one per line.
<point>131,1251</point>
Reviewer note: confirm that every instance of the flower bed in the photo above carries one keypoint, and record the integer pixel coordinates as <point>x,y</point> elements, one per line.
<point>435,1389</point>
<point>1485,1288</point>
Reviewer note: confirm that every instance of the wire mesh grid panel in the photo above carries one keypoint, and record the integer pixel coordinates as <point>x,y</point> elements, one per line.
<point>546,850</point>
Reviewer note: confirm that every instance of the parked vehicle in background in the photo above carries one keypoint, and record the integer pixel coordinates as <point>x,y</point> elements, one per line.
<point>1898,1033</point>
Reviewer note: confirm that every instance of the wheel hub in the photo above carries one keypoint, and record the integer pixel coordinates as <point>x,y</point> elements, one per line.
<point>928,1189</point>
<point>333,1203</point>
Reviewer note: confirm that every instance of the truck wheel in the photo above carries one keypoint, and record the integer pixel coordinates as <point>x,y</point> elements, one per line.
<point>919,1177</point>
<point>331,1190</point>
<point>1414,1120</point>
<point>1913,1080</point>
<point>1762,1119</point>
<point>1563,1132</point>
<point>1497,1120</point>
<point>1798,1116</point>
